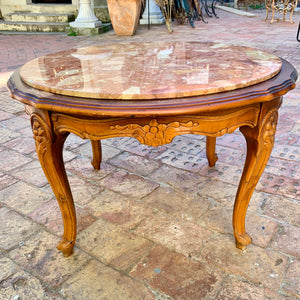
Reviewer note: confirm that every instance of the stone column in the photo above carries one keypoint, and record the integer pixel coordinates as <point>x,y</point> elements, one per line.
<point>86,20</point>
<point>156,16</point>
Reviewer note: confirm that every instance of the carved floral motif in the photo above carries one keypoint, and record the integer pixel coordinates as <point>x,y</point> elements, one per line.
<point>155,133</point>
<point>41,133</point>
<point>270,128</point>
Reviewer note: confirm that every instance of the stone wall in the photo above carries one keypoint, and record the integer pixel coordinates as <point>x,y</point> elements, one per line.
<point>11,6</point>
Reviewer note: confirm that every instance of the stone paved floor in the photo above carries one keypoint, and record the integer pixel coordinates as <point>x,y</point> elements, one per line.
<point>154,223</point>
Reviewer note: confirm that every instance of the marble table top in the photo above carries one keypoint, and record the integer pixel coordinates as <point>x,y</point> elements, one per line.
<point>150,70</point>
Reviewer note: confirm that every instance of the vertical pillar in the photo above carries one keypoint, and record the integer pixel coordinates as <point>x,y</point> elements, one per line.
<point>156,16</point>
<point>86,17</point>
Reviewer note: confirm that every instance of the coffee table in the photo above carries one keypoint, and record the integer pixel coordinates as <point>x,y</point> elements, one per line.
<point>153,92</point>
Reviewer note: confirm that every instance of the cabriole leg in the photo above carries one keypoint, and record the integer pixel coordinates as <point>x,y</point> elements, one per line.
<point>97,154</point>
<point>260,141</point>
<point>211,155</point>
<point>49,147</point>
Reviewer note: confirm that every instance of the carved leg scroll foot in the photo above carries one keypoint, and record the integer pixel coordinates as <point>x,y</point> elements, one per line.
<point>260,141</point>
<point>66,247</point>
<point>242,241</point>
<point>211,155</point>
<point>49,147</point>
<point>97,154</point>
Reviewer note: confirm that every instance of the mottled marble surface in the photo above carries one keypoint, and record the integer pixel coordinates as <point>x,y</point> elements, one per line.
<point>150,70</point>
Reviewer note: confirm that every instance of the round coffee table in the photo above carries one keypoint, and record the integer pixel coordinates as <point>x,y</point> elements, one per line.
<point>153,92</point>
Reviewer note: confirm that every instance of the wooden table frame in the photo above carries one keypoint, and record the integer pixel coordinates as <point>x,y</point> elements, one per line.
<point>254,110</point>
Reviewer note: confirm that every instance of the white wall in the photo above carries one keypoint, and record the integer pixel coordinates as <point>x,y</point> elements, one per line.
<point>9,6</point>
